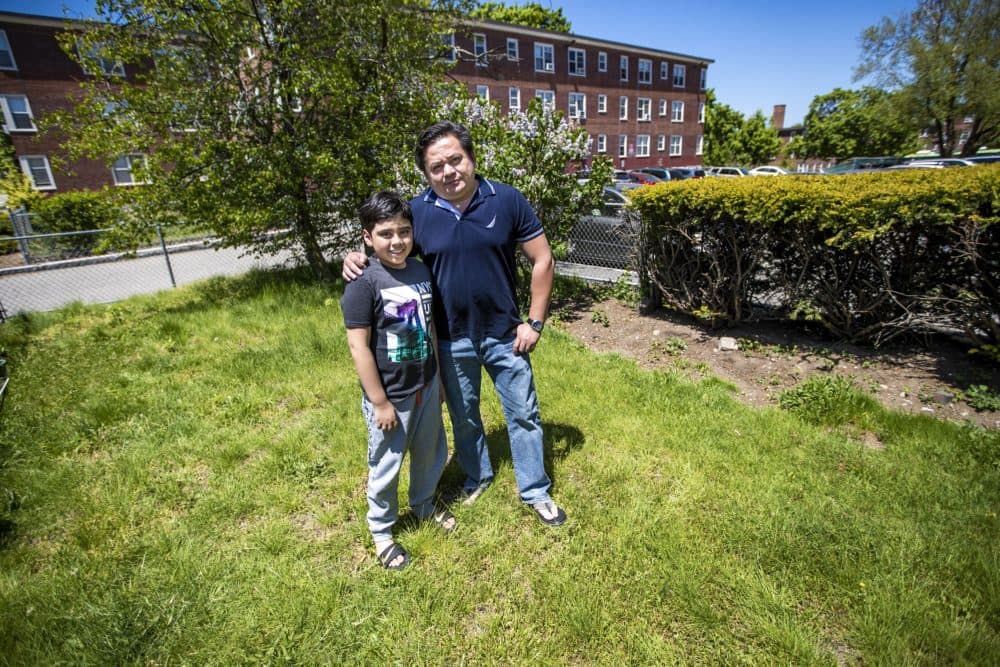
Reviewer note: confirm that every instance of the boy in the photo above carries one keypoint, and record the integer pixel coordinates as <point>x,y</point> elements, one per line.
<point>387,314</point>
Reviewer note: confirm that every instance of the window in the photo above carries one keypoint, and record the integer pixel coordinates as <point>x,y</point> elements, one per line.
<point>544,61</point>
<point>704,77</point>
<point>577,105</point>
<point>663,107</point>
<point>623,108</point>
<point>514,99</point>
<point>699,144</point>
<point>602,104</point>
<point>661,142</point>
<point>664,70</point>
<point>577,62</point>
<point>642,145</point>
<point>483,92</point>
<point>701,112</point>
<point>548,98</point>
<point>622,145</point>
<point>17,114</point>
<point>675,144</point>
<point>645,71</point>
<point>36,168</point>
<point>643,108</point>
<point>479,48</point>
<point>122,169</point>
<point>93,55</point>
<point>6,55</point>
<point>602,61</point>
<point>448,47</point>
<point>513,52</point>
<point>623,67</point>
<point>602,143</point>
<point>680,73</point>
<point>677,111</point>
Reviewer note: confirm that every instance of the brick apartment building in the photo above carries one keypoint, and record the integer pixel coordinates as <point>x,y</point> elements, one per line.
<point>642,107</point>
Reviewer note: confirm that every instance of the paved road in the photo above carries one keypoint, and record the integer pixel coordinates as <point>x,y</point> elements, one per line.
<point>113,281</point>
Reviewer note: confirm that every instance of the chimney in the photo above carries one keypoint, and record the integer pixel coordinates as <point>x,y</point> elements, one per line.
<point>778,116</point>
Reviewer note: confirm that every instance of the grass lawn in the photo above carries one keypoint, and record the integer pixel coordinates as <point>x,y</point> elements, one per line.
<point>183,479</point>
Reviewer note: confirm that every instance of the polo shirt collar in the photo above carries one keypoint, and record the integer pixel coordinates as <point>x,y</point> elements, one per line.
<point>485,189</point>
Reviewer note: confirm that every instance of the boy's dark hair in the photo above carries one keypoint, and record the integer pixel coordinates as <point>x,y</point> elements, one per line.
<point>383,206</point>
<point>441,129</point>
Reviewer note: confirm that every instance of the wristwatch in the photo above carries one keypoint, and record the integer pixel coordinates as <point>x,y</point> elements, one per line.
<point>537,325</point>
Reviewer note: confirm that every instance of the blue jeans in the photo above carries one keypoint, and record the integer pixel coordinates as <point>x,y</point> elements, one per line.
<point>462,361</point>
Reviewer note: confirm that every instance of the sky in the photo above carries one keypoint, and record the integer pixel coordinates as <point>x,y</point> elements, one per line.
<point>778,52</point>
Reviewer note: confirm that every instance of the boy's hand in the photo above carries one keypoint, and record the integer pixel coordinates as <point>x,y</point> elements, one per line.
<point>385,416</point>
<point>354,265</point>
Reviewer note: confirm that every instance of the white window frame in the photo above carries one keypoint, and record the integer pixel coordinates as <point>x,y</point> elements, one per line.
<point>699,144</point>
<point>514,98</point>
<point>645,71</point>
<point>548,98</point>
<point>5,47</point>
<point>661,142</point>
<point>680,75</point>
<point>704,78</point>
<point>602,143</point>
<point>448,41</point>
<point>602,61</point>
<point>128,168</point>
<point>677,111</point>
<point>577,106</point>
<point>577,61</point>
<point>663,107</point>
<point>676,144</point>
<point>483,91</point>
<point>622,145</point>
<point>623,107</point>
<point>545,56</point>
<point>479,49</point>
<point>602,103</point>
<point>107,69</point>
<point>701,112</point>
<point>27,169</point>
<point>9,125</point>
<point>664,70</point>
<point>642,145</point>
<point>513,49</point>
<point>623,68</point>
<point>644,109</point>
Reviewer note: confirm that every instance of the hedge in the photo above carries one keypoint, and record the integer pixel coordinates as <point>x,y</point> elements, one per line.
<point>870,256</point>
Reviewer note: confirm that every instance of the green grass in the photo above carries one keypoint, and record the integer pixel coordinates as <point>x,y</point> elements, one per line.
<point>183,476</point>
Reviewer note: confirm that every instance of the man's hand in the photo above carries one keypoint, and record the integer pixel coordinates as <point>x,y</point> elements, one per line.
<point>385,416</point>
<point>525,339</point>
<point>354,265</point>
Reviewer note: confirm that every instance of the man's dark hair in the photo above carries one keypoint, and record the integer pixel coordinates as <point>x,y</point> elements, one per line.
<point>441,129</point>
<point>383,206</point>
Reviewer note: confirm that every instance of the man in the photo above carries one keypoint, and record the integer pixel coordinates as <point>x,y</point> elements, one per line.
<point>466,229</point>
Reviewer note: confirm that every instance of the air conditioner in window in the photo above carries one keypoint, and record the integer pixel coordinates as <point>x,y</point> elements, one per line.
<point>550,67</point>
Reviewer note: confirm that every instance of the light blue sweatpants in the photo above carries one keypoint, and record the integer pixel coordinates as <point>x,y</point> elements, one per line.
<point>419,431</point>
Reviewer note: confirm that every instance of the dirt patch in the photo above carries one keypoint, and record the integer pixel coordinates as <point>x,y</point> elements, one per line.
<point>770,357</point>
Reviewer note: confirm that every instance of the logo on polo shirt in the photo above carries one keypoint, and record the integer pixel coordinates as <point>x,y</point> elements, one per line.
<point>492,222</point>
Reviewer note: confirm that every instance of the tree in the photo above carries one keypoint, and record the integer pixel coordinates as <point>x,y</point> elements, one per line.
<point>944,60</point>
<point>851,123</point>
<point>254,116</point>
<point>731,139</point>
<point>531,14</point>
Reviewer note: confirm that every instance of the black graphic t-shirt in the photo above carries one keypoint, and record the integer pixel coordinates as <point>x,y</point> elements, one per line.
<point>396,304</point>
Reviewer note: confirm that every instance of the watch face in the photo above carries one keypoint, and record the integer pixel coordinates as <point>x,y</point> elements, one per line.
<point>536,325</point>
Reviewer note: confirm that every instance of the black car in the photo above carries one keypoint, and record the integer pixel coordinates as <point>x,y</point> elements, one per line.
<point>606,237</point>
<point>682,173</point>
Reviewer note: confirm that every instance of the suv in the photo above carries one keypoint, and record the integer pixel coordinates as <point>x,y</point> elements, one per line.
<point>682,173</point>
<point>661,173</point>
<point>730,172</point>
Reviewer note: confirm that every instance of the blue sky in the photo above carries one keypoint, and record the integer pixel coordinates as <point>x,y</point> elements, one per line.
<point>778,52</point>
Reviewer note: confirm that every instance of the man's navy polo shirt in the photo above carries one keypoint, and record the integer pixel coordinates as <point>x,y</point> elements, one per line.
<point>471,258</point>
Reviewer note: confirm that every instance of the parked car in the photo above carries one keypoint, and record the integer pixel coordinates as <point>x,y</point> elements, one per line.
<point>984,159</point>
<point>643,178</point>
<point>606,237</point>
<point>684,173</point>
<point>768,170</point>
<point>730,172</point>
<point>661,173</point>
<point>942,162</point>
<point>621,176</point>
